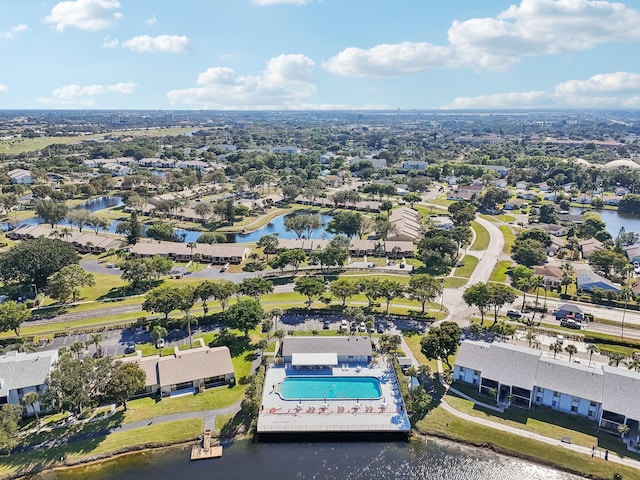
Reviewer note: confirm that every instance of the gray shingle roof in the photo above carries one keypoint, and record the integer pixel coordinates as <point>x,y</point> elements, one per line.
<point>621,392</point>
<point>512,365</point>
<point>350,345</point>
<point>570,378</point>
<point>21,370</point>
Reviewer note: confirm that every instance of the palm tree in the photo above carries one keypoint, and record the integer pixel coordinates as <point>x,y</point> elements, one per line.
<point>633,364</point>
<point>571,350</point>
<point>623,429</point>
<point>567,275</point>
<point>191,246</point>
<point>96,338</point>
<point>523,284</point>
<point>29,400</point>
<point>615,358</point>
<point>531,337</point>
<point>592,349</point>
<point>555,348</point>
<point>66,232</point>
<point>537,281</point>
<point>77,347</point>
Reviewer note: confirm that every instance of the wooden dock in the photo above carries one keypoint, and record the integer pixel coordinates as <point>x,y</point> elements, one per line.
<point>206,450</point>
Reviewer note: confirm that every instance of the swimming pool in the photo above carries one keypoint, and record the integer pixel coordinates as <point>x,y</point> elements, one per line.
<point>321,388</point>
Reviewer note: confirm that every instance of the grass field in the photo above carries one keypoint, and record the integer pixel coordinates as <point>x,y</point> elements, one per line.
<point>499,273</point>
<point>33,144</point>
<point>509,238</point>
<point>454,282</point>
<point>482,237</point>
<point>468,265</point>
<point>169,432</point>
<point>443,424</point>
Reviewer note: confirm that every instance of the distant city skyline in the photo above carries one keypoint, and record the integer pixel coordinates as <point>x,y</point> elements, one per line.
<point>319,54</point>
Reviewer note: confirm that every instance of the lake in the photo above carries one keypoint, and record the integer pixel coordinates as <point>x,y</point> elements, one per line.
<point>276,227</point>
<point>414,460</point>
<point>614,220</point>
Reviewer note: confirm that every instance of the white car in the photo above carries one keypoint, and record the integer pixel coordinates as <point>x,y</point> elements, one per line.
<point>160,343</point>
<point>559,339</point>
<point>362,327</point>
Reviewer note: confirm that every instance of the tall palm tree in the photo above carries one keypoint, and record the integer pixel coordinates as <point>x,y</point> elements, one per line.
<point>571,350</point>
<point>555,348</point>
<point>623,429</point>
<point>537,282</point>
<point>96,338</point>
<point>531,337</point>
<point>633,364</point>
<point>567,275</point>
<point>615,358</point>
<point>66,232</point>
<point>192,246</point>
<point>592,349</point>
<point>29,400</point>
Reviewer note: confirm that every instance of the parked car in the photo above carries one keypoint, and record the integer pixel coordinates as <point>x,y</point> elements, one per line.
<point>559,339</point>
<point>160,343</point>
<point>326,324</point>
<point>344,325</point>
<point>110,265</point>
<point>380,328</point>
<point>362,327</point>
<point>514,314</point>
<point>130,348</point>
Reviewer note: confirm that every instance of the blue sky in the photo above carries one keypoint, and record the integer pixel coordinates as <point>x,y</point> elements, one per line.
<point>319,54</point>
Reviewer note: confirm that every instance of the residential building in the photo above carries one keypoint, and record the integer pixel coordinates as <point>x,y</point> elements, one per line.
<point>501,169</point>
<point>521,185</point>
<point>568,311</point>
<point>413,165</point>
<point>633,253</point>
<point>220,253</point>
<point>290,149</point>
<point>552,274</point>
<point>527,195</point>
<point>525,377</point>
<point>186,370</point>
<point>21,373</point>
<point>408,224</point>
<point>587,280</point>
<point>20,176</point>
<point>587,247</point>
<point>85,242</point>
<point>553,229</point>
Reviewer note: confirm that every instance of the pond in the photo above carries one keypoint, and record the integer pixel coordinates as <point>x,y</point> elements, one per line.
<point>614,220</point>
<point>276,227</point>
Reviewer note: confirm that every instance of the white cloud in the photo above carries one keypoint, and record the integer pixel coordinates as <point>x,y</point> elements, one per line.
<point>385,59</point>
<point>151,20</point>
<point>532,28</point>
<point>84,14</point>
<point>285,83</point>
<point>72,92</point>
<point>4,89</point>
<point>11,33</point>
<point>109,42</point>
<point>611,90</point>
<point>160,44</point>
<point>281,2</point>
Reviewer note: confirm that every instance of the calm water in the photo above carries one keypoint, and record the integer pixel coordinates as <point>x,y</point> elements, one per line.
<point>276,227</point>
<point>331,388</point>
<point>415,460</point>
<point>615,220</point>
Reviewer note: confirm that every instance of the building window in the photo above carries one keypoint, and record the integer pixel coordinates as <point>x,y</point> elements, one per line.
<point>554,403</point>
<point>593,404</point>
<point>556,394</point>
<point>574,408</point>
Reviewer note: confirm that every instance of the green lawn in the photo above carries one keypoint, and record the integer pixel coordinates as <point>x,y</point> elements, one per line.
<point>482,237</point>
<point>442,424</point>
<point>468,265</point>
<point>509,238</point>
<point>454,282</point>
<point>161,433</point>
<point>499,273</point>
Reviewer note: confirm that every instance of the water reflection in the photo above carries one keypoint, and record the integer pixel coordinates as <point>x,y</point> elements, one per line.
<point>415,460</point>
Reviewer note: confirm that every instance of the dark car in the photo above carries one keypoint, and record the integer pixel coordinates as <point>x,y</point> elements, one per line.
<point>326,324</point>
<point>514,314</point>
<point>130,348</point>
<point>380,328</point>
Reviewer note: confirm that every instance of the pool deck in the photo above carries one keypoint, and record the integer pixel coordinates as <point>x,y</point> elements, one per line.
<point>387,414</point>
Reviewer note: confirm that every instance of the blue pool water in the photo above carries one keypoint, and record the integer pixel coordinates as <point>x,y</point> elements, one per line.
<point>319,388</point>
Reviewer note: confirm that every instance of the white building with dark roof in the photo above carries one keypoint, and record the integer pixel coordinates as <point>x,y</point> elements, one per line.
<point>20,176</point>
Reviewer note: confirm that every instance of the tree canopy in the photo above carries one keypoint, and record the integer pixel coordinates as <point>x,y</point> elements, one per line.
<point>244,315</point>
<point>34,261</point>
<point>441,342</point>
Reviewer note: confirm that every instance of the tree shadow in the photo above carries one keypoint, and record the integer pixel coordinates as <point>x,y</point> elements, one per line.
<point>239,423</point>
<point>237,344</point>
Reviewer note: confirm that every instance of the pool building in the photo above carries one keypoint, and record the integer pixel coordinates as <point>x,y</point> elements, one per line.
<point>331,385</point>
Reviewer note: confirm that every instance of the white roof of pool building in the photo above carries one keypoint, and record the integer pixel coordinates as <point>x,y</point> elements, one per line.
<point>308,359</point>
<point>359,346</point>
